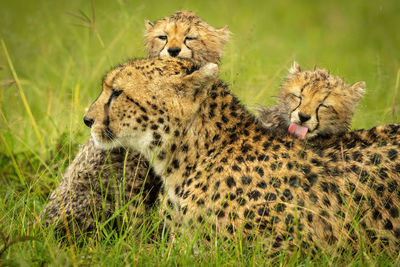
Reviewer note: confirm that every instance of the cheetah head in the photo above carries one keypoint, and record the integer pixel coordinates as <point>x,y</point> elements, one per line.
<point>141,98</point>
<point>185,35</point>
<point>318,103</point>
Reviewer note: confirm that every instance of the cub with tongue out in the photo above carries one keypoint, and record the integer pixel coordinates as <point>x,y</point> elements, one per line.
<point>312,103</point>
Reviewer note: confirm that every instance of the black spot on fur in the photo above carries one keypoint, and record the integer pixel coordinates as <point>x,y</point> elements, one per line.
<point>270,197</point>
<point>246,180</point>
<point>287,194</point>
<point>254,194</point>
<point>175,163</point>
<point>262,185</point>
<point>392,154</point>
<point>260,171</point>
<point>236,168</point>
<point>388,225</point>
<point>230,181</point>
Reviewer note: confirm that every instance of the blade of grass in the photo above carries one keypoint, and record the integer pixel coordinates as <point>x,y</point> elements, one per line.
<point>396,90</point>
<point>22,94</point>
<point>14,162</point>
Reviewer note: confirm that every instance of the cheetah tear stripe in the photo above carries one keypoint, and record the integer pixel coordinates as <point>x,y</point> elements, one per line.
<point>298,130</point>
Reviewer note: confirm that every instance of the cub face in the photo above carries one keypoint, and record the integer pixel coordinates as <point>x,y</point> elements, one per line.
<point>322,103</point>
<point>140,98</point>
<point>184,35</point>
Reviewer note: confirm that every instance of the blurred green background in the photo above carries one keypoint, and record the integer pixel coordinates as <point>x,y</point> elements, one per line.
<point>59,65</point>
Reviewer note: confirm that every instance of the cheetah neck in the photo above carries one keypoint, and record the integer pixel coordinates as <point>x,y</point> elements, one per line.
<point>220,122</point>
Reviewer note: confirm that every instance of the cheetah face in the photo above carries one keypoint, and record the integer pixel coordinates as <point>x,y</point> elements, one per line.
<point>140,98</point>
<point>184,35</point>
<point>318,103</point>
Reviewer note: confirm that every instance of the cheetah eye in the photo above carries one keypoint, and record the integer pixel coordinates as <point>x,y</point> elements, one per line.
<point>190,38</point>
<point>327,108</point>
<point>299,97</point>
<point>162,37</point>
<point>116,93</point>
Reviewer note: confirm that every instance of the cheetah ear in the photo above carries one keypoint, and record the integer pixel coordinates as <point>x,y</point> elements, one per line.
<point>149,25</point>
<point>203,76</point>
<point>224,33</point>
<point>295,68</point>
<point>357,90</point>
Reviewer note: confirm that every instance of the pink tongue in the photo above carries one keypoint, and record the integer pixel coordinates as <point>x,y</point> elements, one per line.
<point>298,130</point>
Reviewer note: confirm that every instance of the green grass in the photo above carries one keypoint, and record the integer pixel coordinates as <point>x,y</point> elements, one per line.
<point>56,74</point>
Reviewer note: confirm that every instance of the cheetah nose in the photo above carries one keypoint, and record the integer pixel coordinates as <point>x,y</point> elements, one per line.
<point>174,51</point>
<point>88,122</point>
<point>304,117</point>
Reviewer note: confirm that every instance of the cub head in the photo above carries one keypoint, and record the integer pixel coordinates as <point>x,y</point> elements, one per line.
<point>184,35</point>
<point>318,103</point>
<point>142,99</point>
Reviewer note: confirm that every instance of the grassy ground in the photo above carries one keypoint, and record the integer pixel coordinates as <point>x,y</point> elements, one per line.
<point>50,70</point>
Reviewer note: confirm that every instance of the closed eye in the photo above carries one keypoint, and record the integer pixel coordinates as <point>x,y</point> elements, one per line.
<point>296,96</point>
<point>162,37</point>
<point>328,107</point>
<point>299,99</point>
<point>188,38</point>
<point>324,106</point>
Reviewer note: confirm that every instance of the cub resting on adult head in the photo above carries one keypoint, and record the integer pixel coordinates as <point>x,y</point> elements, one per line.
<point>181,35</point>
<point>312,103</point>
<point>221,168</point>
<point>185,35</point>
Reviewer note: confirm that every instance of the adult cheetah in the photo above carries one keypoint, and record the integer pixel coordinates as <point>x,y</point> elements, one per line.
<point>97,183</point>
<point>221,168</point>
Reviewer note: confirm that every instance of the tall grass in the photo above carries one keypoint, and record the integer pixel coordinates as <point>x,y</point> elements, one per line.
<point>50,71</point>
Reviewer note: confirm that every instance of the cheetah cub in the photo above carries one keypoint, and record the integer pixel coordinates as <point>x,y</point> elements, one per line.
<point>185,35</point>
<point>312,103</point>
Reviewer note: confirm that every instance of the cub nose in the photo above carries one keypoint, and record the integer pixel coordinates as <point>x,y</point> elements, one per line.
<point>174,51</point>
<point>304,117</point>
<point>87,121</point>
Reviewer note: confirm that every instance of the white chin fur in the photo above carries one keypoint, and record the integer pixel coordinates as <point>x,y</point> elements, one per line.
<point>104,145</point>
<point>139,143</point>
<point>311,134</point>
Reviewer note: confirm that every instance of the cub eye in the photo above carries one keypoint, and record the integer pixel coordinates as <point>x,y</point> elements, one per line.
<point>190,38</point>
<point>162,37</point>
<point>293,95</point>
<point>328,108</point>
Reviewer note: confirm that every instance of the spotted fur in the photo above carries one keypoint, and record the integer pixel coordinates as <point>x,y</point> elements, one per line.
<point>325,103</point>
<point>99,183</point>
<point>221,168</point>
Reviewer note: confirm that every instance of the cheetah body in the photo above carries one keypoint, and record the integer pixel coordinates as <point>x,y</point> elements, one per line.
<point>220,167</point>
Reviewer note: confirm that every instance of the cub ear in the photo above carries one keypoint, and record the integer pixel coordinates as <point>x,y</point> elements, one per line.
<point>295,68</point>
<point>224,33</point>
<point>149,25</point>
<point>358,90</point>
<point>203,76</point>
